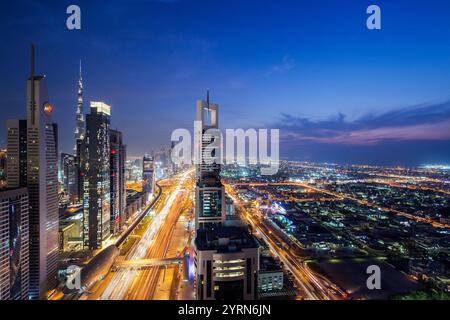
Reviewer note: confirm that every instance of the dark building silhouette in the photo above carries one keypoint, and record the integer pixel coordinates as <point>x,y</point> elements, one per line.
<point>117,182</point>
<point>95,171</point>
<point>17,153</point>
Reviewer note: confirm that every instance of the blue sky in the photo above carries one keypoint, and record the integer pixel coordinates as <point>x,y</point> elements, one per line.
<point>338,91</point>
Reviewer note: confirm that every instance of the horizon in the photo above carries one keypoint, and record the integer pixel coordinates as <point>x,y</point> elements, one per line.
<point>375,97</point>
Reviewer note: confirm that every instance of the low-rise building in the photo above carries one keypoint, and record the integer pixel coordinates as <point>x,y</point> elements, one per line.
<point>227,264</point>
<point>270,277</point>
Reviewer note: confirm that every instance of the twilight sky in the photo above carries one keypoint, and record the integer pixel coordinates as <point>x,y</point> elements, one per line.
<point>337,91</point>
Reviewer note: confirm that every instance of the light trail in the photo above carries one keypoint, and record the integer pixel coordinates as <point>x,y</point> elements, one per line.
<point>343,196</point>
<point>120,283</point>
<point>310,285</point>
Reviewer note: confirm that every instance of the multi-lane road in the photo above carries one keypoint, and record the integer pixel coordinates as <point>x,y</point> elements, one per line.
<point>141,284</point>
<point>156,240</point>
<point>311,286</point>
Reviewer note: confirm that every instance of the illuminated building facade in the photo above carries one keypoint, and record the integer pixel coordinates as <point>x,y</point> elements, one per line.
<point>95,170</point>
<point>3,160</point>
<point>148,173</point>
<point>117,183</point>
<point>14,249</point>
<point>226,263</point>
<point>80,126</point>
<point>42,183</point>
<point>69,169</point>
<point>210,193</point>
<point>16,167</point>
<point>226,257</point>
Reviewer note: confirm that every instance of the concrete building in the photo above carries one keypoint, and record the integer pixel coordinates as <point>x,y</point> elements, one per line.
<point>71,229</point>
<point>42,183</point>
<point>14,244</point>
<point>135,202</point>
<point>209,191</point>
<point>227,263</point>
<point>270,277</point>
<point>226,255</point>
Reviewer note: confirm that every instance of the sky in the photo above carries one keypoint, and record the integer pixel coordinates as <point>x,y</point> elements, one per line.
<point>337,91</point>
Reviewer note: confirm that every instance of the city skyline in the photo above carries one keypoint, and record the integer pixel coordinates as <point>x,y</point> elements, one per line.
<point>376,97</point>
<point>94,225</point>
<point>245,153</point>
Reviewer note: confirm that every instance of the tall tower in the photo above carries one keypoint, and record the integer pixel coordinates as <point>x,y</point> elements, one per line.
<point>16,169</point>
<point>210,193</point>
<point>80,128</point>
<point>42,183</point>
<point>117,182</point>
<point>14,268</point>
<point>95,169</point>
<point>226,257</point>
<point>148,173</point>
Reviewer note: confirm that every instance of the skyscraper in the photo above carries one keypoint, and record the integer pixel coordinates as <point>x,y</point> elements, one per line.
<point>17,153</point>
<point>3,159</point>
<point>95,171</point>
<point>79,161</point>
<point>69,170</point>
<point>226,257</point>
<point>80,126</point>
<point>117,184</point>
<point>42,183</point>
<point>14,246</point>
<point>148,173</point>
<point>210,194</point>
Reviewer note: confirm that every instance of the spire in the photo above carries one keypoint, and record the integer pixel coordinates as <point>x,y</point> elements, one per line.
<point>80,125</point>
<point>80,82</point>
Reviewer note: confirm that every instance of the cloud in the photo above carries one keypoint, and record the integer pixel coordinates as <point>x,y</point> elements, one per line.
<point>419,123</point>
<point>286,64</point>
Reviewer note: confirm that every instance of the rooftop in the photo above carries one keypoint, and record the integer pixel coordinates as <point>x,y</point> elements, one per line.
<point>225,239</point>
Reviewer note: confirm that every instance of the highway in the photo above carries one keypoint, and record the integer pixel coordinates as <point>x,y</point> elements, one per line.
<point>312,287</point>
<point>146,280</point>
<point>137,284</point>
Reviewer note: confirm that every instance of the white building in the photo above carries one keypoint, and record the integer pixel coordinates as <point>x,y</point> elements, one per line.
<point>42,183</point>
<point>270,276</point>
<point>226,263</point>
<point>209,191</point>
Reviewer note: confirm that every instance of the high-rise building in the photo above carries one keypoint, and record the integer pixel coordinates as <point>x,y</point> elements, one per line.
<point>80,126</point>
<point>226,263</point>
<point>79,158</point>
<point>17,153</point>
<point>42,183</point>
<point>117,184</point>
<point>69,170</point>
<point>95,171</point>
<point>210,194</point>
<point>148,173</point>
<point>14,246</point>
<point>3,159</point>
<point>226,257</point>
